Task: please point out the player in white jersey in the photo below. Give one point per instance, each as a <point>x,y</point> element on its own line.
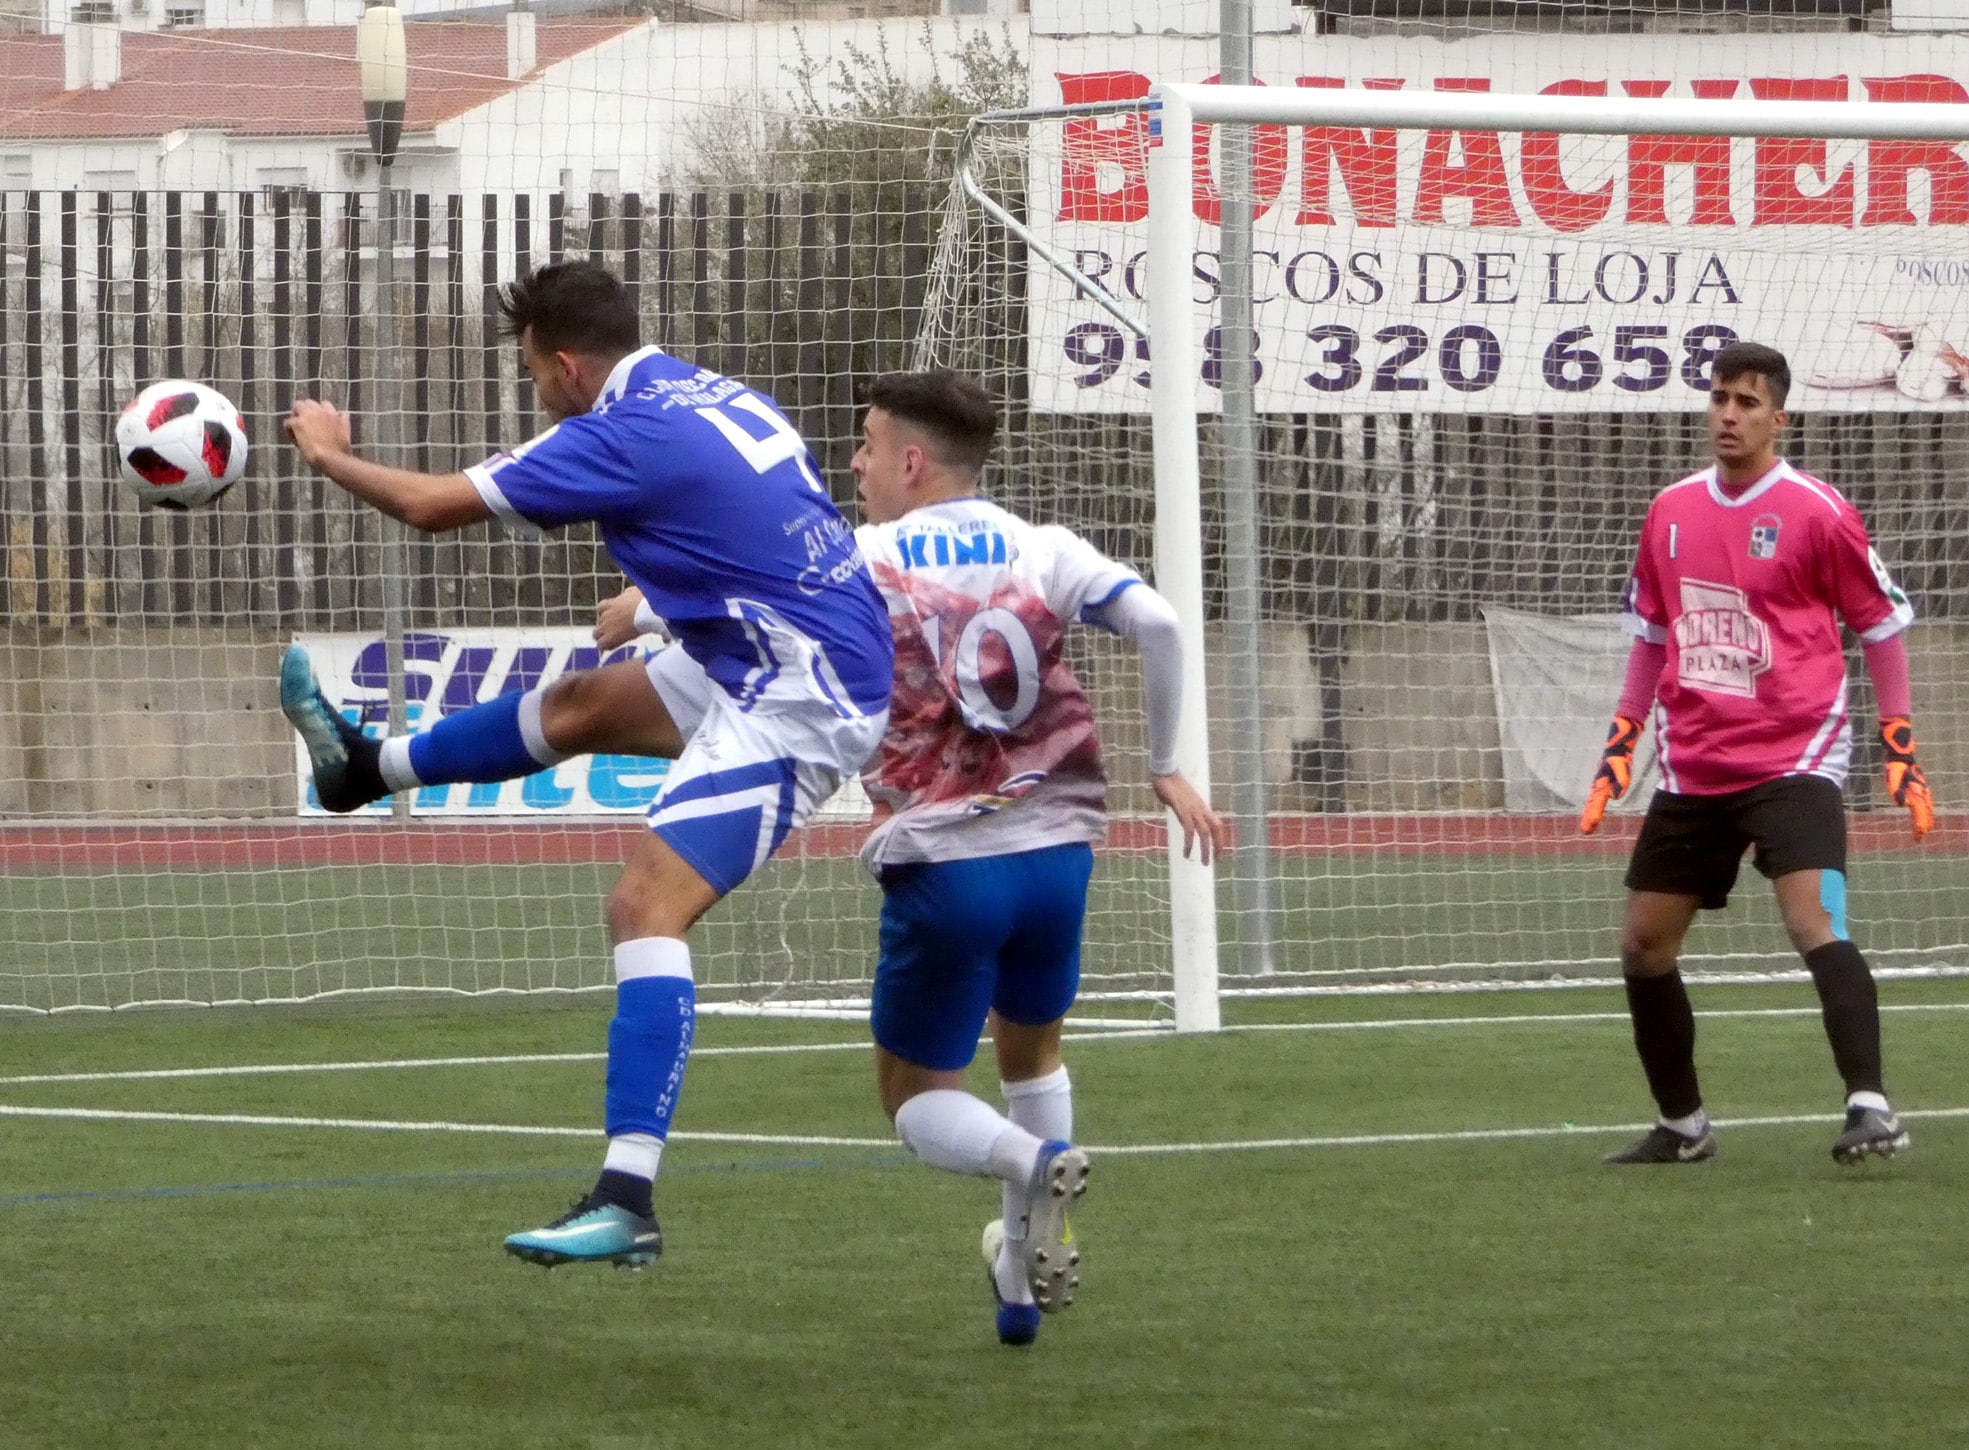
<point>1739,575</point>
<point>990,796</point>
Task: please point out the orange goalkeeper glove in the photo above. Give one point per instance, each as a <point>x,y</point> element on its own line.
<point>1906,782</point>
<point>1615,774</point>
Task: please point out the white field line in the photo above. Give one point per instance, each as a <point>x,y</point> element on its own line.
<point>273,1069</point>
<point>1527,1019</point>
<point>384,1125</point>
<point>789,1140</point>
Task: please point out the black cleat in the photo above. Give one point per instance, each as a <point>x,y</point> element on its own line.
<point>346,777</point>
<point>1869,1134</point>
<point>1663,1144</point>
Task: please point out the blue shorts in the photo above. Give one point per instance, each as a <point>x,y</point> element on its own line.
<point>962,937</point>
<point>747,778</point>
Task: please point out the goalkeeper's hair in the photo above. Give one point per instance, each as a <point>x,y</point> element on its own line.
<point>1741,358</point>
<point>956,412</point>
<point>573,306</point>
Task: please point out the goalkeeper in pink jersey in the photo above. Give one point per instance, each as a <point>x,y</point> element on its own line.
<point>1740,573</point>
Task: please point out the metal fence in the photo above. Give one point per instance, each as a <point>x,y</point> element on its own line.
<point>804,294</point>
<point>269,296</point>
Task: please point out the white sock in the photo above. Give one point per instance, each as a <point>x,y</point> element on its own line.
<point>530,731</point>
<point>1043,1106</point>
<point>393,764</point>
<point>1875,1101</point>
<point>1009,1273</point>
<point>636,1153</point>
<point>1693,1126</point>
<point>958,1133</point>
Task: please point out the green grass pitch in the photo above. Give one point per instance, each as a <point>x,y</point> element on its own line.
<point>109,938</point>
<point>203,1283</point>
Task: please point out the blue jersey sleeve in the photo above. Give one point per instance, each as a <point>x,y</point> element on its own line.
<point>575,472</point>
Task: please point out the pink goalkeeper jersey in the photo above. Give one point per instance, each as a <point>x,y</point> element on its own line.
<point>1743,592</point>
<point>991,746</point>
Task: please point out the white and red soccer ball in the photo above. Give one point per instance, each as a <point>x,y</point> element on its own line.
<point>180,445</point>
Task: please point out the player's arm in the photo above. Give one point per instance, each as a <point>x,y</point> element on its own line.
<point>1643,617</point>
<point>1878,610</point>
<point>1645,663</point>
<point>1907,783</point>
<point>429,502</point>
<point>1148,621</point>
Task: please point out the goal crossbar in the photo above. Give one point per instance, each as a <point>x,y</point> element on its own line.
<point>1179,105</point>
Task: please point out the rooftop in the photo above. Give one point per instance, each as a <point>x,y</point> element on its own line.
<point>299,81</point>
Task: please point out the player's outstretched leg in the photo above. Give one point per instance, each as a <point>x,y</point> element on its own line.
<point>344,759</point>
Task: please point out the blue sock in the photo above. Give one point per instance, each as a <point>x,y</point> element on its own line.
<point>484,743</point>
<point>648,1044</point>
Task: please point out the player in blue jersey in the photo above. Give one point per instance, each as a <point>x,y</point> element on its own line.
<point>776,688</point>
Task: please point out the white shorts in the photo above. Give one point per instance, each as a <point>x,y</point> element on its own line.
<point>747,778</point>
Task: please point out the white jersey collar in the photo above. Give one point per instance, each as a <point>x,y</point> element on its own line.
<point>1779,470</point>
<point>618,378</point>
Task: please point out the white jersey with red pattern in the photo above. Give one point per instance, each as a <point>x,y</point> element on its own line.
<point>1743,592</point>
<point>991,747</point>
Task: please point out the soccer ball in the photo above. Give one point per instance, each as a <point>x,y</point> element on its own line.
<point>180,445</point>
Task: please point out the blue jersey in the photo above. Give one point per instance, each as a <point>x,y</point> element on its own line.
<point>711,504</point>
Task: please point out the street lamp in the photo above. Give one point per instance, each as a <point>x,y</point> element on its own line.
<point>385,79</point>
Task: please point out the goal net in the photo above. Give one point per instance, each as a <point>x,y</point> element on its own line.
<point>1481,342</point>
<point>1480,348</point>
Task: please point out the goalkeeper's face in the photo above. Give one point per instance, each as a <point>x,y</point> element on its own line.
<point>1744,423</point>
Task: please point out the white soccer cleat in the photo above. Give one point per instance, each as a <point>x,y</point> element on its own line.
<point>1052,1260</point>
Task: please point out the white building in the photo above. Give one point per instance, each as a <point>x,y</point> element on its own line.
<point>266,14</point>
<point>569,105</point>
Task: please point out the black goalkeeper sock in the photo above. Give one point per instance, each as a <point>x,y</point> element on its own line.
<point>625,1190</point>
<point>1851,1007</point>
<point>1665,1037</point>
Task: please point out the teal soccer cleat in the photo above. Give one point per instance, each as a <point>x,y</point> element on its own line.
<point>592,1231</point>
<point>344,759</point>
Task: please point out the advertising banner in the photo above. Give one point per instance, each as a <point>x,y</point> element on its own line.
<point>1488,271</point>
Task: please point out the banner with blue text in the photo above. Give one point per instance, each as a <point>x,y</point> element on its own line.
<point>449,670</point>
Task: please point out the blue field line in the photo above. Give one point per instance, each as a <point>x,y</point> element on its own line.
<point>440,1180</point>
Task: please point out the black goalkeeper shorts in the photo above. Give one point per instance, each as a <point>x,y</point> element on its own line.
<point>1692,845</point>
